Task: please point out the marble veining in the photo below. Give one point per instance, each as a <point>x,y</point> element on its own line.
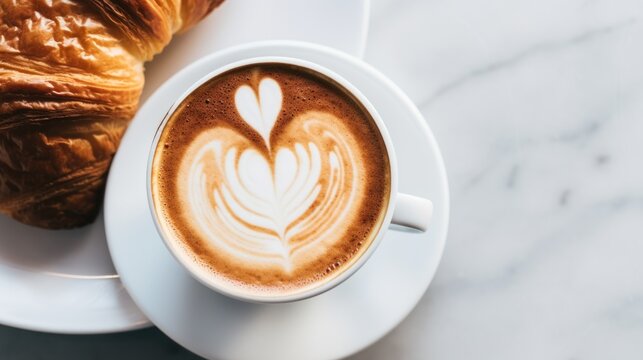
<point>537,106</point>
<point>524,55</point>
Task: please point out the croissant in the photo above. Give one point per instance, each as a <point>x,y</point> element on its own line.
<point>71,73</point>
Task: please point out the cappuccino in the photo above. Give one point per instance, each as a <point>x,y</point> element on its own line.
<point>272,178</point>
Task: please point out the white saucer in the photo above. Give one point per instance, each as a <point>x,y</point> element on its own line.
<point>64,281</point>
<point>332,325</point>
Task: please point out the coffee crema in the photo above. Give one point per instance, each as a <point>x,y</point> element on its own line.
<point>271,177</point>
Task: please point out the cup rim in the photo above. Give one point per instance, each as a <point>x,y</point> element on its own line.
<point>195,270</point>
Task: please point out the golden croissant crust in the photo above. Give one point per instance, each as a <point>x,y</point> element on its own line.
<point>71,73</point>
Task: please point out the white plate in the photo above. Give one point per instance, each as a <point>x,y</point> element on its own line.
<point>332,325</point>
<point>64,281</point>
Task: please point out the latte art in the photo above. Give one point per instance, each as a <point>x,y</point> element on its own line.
<point>257,207</point>
<point>261,113</point>
<point>270,195</point>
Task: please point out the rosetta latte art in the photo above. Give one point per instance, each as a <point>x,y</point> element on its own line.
<point>270,206</point>
<point>271,179</point>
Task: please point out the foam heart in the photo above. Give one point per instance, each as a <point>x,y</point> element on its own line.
<point>260,112</point>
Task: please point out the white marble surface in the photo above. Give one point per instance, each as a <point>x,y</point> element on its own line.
<point>538,107</point>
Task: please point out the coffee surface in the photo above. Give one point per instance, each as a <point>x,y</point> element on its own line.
<point>271,177</point>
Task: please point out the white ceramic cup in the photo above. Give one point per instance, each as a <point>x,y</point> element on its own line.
<point>405,212</point>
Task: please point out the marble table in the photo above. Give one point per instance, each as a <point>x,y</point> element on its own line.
<point>538,107</point>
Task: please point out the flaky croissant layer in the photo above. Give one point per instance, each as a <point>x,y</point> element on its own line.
<point>71,73</point>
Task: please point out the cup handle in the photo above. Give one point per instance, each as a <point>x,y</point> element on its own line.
<point>412,212</point>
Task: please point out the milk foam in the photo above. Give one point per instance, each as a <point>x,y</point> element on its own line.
<point>270,207</point>
<point>260,113</point>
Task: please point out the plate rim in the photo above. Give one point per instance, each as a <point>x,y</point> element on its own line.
<point>94,328</point>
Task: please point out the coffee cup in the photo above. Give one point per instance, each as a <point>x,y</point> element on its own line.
<point>274,179</point>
